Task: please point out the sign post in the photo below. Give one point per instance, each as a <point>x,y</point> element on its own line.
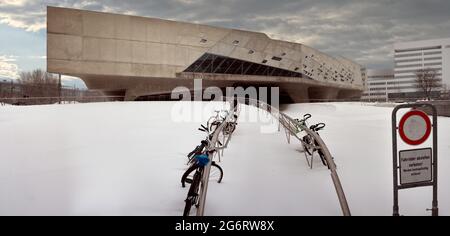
<point>418,167</point>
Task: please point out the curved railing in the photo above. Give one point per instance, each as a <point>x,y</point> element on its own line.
<point>290,126</point>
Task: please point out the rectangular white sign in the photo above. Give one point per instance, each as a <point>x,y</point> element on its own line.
<point>415,166</point>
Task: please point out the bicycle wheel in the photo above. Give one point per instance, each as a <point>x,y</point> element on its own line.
<point>193,193</point>
<point>308,147</point>
<point>214,125</point>
<point>188,175</point>
<point>215,174</point>
<point>321,155</point>
<point>233,127</point>
<point>229,128</point>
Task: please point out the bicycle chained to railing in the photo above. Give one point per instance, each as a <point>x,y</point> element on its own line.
<point>198,159</point>
<point>310,145</point>
<point>203,154</point>
<point>289,125</point>
<point>218,118</point>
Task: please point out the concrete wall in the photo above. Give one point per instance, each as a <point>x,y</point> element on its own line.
<point>108,51</point>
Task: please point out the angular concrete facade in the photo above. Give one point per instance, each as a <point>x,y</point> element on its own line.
<point>136,56</point>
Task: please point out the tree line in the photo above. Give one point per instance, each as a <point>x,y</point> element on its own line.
<point>40,87</point>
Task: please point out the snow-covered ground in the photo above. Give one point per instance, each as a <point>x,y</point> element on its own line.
<point>127,159</point>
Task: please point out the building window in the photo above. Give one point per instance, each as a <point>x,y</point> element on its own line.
<point>418,49</point>
<point>432,53</point>
<point>408,55</point>
<point>433,58</point>
<point>407,66</point>
<point>410,60</point>
<point>433,64</point>
<point>210,63</point>
<point>276,58</point>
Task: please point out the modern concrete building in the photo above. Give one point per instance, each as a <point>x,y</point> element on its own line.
<point>412,56</point>
<point>139,57</point>
<point>380,83</point>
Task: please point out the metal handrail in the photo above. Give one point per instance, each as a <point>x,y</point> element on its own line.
<point>289,124</point>
<point>211,150</point>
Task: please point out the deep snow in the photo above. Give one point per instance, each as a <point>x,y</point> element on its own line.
<point>127,159</point>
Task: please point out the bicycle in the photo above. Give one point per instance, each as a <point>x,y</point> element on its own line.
<point>216,120</point>
<point>311,145</point>
<point>302,123</point>
<point>230,126</point>
<point>198,159</point>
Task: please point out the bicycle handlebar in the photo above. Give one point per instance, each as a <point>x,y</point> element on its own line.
<point>198,149</point>
<point>317,127</point>
<point>306,116</point>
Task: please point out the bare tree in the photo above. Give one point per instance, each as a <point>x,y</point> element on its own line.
<point>38,84</point>
<point>426,81</point>
<point>37,76</point>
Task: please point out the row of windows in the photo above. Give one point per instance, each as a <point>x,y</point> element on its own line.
<point>406,66</point>
<point>419,65</point>
<point>418,49</point>
<point>409,55</point>
<point>432,53</point>
<point>376,89</point>
<point>408,60</point>
<point>381,77</point>
<point>433,64</point>
<point>418,59</point>
<point>433,58</point>
<point>375,94</point>
<point>411,71</point>
<point>402,82</point>
<point>378,83</point>
<point>391,88</point>
<point>417,54</point>
<point>210,63</point>
<point>411,86</point>
<point>411,76</point>
<point>405,76</point>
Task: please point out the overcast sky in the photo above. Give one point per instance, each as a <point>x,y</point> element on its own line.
<point>361,30</point>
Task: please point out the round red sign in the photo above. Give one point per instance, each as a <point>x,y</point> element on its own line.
<point>415,127</point>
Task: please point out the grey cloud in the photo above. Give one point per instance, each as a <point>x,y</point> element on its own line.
<point>360,30</point>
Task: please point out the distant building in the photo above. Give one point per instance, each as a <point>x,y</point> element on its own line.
<point>141,58</point>
<point>380,83</point>
<point>412,56</point>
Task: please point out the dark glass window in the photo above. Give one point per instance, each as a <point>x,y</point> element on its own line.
<point>210,63</point>
<point>276,58</point>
